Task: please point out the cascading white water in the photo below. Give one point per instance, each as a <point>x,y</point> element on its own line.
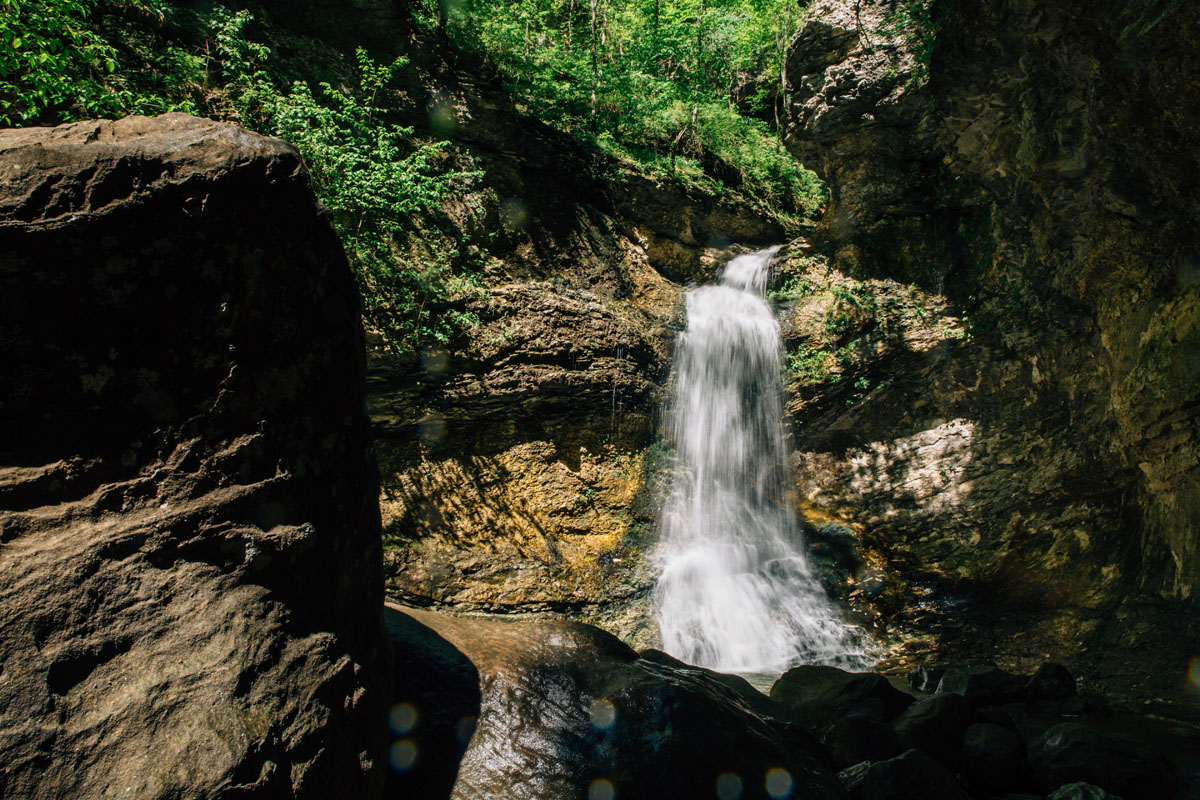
<point>735,592</point>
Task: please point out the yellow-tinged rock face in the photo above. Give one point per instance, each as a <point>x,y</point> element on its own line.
<point>526,529</point>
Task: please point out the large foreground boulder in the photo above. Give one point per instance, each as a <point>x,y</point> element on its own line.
<point>190,568</point>
<point>566,710</point>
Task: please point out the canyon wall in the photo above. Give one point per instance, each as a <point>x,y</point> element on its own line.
<point>1036,467</point>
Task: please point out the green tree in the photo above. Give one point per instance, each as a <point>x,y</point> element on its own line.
<point>372,176</point>
<point>56,65</point>
<point>653,84</point>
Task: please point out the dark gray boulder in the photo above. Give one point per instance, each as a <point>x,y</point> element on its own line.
<point>1080,791</point>
<point>911,775</point>
<point>993,758</point>
<point>854,739</point>
<point>935,726</point>
<point>818,694</point>
<point>983,685</point>
<point>1071,753</point>
<point>1050,682</point>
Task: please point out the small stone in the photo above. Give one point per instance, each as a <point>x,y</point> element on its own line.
<point>1050,682</point>
<point>911,775</point>
<point>851,779</point>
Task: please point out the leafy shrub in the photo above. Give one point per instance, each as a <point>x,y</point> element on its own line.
<point>371,175</point>
<point>64,60</point>
<point>56,66</point>
<point>650,82</point>
<point>913,22</point>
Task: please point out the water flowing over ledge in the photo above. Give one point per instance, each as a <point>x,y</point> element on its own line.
<point>735,591</point>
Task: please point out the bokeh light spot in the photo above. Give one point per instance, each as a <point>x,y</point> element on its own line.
<point>403,718</point>
<point>435,361</point>
<point>601,790</point>
<point>779,782</point>
<point>431,429</point>
<point>513,214</point>
<point>443,118</point>
<point>729,786</point>
<point>464,730</point>
<point>403,755</point>
<point>603,714</point>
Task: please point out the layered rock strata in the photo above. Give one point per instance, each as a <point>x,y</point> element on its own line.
<point>189,541</point>
<point>1037,169</point>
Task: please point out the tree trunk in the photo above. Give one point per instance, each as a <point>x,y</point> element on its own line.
<point>595,68</point>
<point>700,49</point>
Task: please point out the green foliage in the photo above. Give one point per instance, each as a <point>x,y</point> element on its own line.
<point>914,22</point>
<point>57,65</point>
<point>370,174</point>
<point>1139,17</point>
<point>793,288</point>
<point>651,82</point>
<point>63,60</point>
<point>809,365</point>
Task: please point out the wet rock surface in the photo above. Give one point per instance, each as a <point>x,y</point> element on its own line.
<point>191,592</point>
<point>942,746</point>
<point>816,694</point>
<point>858,120</point>
<point>1029,480</point>
<point>566,710</point>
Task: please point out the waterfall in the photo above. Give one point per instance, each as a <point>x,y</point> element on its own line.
<point>735,591</point>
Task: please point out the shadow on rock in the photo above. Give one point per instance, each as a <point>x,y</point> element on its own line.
<point>566,710</point>
<point>435,711</point>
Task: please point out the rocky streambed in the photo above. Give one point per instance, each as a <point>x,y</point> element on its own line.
<point>540,709</point>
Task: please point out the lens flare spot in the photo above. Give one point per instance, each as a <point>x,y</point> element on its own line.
<point>465,729</point>
<point>601,790</point>
<point>431,429</point>
<point>435,361</point>
<point>603,714</point>
<point>779,783</point>
<point>1193,675</point>
<point>729,786</point>
<point>403,718</point>
<point>514,215</point>
<point>443,118</point>
<point>403,755</point>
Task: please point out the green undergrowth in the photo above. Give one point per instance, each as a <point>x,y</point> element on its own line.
<point>836,325</point>
<point>64,60</point>
<point>915,23</point>
<point>67,60</point>
<point>652,83</point>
